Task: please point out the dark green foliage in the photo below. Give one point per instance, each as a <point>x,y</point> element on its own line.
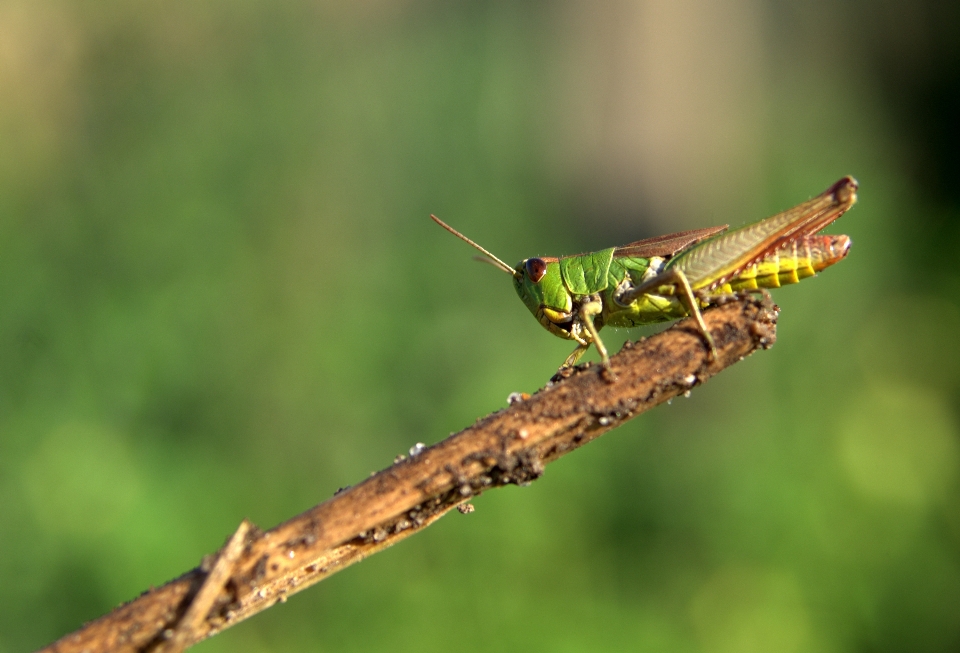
<point>221,297</point>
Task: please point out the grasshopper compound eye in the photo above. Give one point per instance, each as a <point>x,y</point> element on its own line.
<point>536,268</point>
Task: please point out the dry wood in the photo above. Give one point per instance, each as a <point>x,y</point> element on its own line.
<point>191,623</point>
<point>510,446</point>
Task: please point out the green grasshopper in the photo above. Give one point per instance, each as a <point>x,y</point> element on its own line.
<point>677,275</point>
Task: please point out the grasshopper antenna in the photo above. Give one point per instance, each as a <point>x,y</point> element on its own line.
<point>490,261</point>
<point>490,258</point>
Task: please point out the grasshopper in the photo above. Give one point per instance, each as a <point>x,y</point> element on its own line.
<point>677,275</point>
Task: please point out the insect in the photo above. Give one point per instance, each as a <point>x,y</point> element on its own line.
<point>677,275</point>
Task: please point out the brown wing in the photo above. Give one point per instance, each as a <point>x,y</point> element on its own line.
<point>667,245</point>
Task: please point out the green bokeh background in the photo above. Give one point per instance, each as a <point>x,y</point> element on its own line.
<point>221,297</point>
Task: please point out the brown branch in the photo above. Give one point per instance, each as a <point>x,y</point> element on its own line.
<point>509,446</point>
<point>191,624</point>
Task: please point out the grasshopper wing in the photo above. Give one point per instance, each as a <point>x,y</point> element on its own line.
<point>710,263</point>
<point>667,245</point>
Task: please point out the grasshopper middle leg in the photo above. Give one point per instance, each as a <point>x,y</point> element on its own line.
<point>676,278</point>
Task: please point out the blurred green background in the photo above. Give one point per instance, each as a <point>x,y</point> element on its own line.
<point>221,297</point>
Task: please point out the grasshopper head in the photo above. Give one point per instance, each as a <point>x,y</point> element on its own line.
<point>540,285</point>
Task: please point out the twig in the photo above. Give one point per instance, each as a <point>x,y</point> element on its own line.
<point>192,621</point>
<point>510,446</point>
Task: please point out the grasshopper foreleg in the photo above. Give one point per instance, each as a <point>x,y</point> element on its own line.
<point>575,356</point>
<point>676,278</point>
<point>593,306</point>
<point>587,310</point>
